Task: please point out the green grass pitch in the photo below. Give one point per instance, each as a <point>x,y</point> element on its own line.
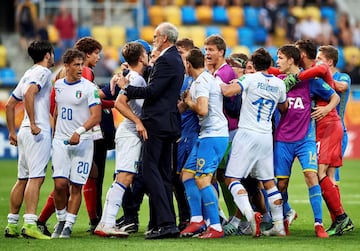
<point>302,231</point>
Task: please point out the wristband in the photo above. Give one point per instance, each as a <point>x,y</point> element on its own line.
<point>80,130</point>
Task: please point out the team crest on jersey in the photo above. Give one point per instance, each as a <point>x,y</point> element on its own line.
<point>78,94</point>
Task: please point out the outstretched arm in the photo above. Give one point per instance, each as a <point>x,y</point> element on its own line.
<point>321,71</point>
<point>231,89</point>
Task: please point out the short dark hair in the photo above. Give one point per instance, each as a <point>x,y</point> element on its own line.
<point>71,54</point>
<point>330,52</point>
<point>88,45</point>
<point>261,59</point>
<point>187,43</point>
<point>307,46</point>
<point>38,49</point>
<point>132,52</point>
<point>196,58</point>
<point>216,40</point>
<point>291,51</point>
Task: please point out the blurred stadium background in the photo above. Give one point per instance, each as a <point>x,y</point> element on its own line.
<point>244,24</point>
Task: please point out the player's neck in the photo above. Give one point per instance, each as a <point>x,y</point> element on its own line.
<point>333,69</point>
<point>137,68</point>
<point>195,73</point>
<point>293,70</point>
<point>43,63</point>
<point>220,62</point>
<point>308,64</point>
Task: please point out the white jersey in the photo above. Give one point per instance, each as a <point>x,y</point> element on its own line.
<point>127,126</point>
<point>40,76</point>
<point>263,93</point>
<point>73,102</point>
<point>214,124</point>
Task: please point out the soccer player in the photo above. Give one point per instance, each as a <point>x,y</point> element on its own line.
<point>189,133</point>
<point>329,55</point>
<point>329,133</point>
<point>33,139</point>
<point>129,136</point>
<point>237,224</point>
<point>295,134</point>
<point>93,187</point>
<point>215,49</point>
<point>78,109</point>
<point>133,196</point>
<point>252,147</point>
<point>206,100</point>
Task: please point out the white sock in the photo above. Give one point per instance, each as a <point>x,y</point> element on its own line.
<point>112,204</point>
<point>61,214</point>
<point>276,210</point>
<point>13,218</point>
<point>222,214</point>
<point>30,218</point>
<point>197,218</point>
<point>217,227</point>
<point>241,200</point>
<point>70,220</point>
<point>235,221</point>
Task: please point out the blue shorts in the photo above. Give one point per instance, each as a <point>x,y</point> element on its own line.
<point>206,155</point>
<point>184,148</point>
<point>285,154</point>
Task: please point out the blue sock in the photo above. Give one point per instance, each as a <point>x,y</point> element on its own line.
<point>337,175</point>
<point>263,190</point>
<point>193,197</point>
<point>216,186</point>
<point>210,204</point>
<point>316,202</point>
<point>286,204</point>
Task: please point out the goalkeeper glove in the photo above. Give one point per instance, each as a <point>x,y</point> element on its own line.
<point>290,81</point>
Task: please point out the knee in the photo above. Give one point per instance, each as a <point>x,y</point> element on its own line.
<point>311,178</point>
<point>61,186</point>
<point>282,185</point>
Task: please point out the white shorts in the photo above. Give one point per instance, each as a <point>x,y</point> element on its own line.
<point>34,153</point>
<point>72,162</point>
<point>251,154</point>
<point>128,150</point>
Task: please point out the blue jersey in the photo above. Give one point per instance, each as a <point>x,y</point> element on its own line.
<point>189,119</point>
<point>344,96</point>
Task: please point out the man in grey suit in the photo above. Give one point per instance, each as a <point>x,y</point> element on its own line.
<point>161,119</point>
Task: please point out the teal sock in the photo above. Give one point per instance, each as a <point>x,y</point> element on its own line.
<point>316,202</point>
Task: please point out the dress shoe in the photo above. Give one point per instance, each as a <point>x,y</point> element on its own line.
<point>170,231</point>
